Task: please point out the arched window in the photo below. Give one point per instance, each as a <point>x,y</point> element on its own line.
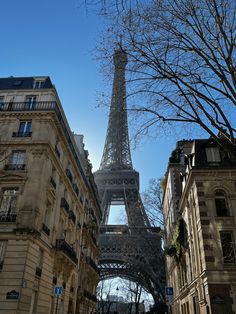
<point>221,204</point>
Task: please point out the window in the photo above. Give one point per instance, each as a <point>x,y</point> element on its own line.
<point>38,84</point>
<point>228,247</point>
<point>8,202</point>
<point>3,247</point>
<point>213,154</point>
<point>25,127</point>
<point>17,157</point>
<point>17,83</point>
<point>39,266</point>
<point>220,203</point>
<point>30,102</point>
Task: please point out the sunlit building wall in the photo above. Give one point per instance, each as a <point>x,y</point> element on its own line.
<point>49,210</point>
<point>199,209</point>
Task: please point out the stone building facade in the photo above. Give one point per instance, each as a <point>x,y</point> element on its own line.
<point>49,209</point>
<point>200,219</point>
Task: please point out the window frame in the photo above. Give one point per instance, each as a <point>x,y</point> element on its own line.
<point>17,157</point>
<point>228,245</point>
<point>27,126</point>
<point>219,207</point>
<point>213,154</point>
<point>9,199</point>
<point>30,101</point>
<point>38,83</point>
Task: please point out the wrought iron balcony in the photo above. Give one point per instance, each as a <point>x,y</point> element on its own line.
<point>14,167</point>
<point>69,175</point>
<point>72,216</point>
<point>91,262</point>
<point>25,106</point>
<point>76,189</point>
<point>57,152</point>
<point>65,205</point>
<point>21,134</point>
<point>45,229</point>
<point>90,296</point>
<point>7,217</point>
<point>62,245</point>
<point>53,183</point>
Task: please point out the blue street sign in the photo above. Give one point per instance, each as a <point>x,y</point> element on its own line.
<point>58,290</point>
<point>169,291</point>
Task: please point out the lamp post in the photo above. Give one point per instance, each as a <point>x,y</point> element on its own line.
<point>117,291</point>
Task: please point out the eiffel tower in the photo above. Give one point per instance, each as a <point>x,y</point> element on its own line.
<point>131,251</point>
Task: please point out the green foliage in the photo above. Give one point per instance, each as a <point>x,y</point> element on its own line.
<point>178,245</point>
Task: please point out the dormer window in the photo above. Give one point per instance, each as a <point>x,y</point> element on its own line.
<point>213,154</point>
<point>38,84</point>
<point>221,204</point>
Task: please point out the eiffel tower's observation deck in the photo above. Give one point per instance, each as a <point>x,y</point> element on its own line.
<point>131,251</point>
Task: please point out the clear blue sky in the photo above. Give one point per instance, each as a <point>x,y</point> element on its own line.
<point>58,38</point>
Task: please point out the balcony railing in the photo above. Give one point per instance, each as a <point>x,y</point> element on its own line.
<point>25,106</point>
<point>90,296</point>
<point>57,152</point>
<point>45,229</point>
<point>53,183</point>
<point>14,167</point>
<point>76,189</point>
<point>91,262</point>
<point>65,205</point>
<point>7,217</point>
<point>21,134</point>
<point>62,245</point>
<point>69,175</point>
<point>72,216</point>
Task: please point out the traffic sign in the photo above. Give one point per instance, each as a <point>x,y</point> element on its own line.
<point>169,291</point>
<point>58,290</point>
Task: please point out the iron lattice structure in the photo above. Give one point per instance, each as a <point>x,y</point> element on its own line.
<point>130,251</point>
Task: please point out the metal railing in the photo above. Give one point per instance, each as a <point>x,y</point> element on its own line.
<point>25,106</point>
<point>65,205</point>
<point>45,229</point>
<point>7,217</point>
<point>53,183</point>
<point>91,262</point>
<point>69,175</point>
<point>72,216</point>
<point>62,245</point>
<point>14,167</point>
<point>21,134</point>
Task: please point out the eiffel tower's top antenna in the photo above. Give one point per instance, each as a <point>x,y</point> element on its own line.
<point>116,154</point>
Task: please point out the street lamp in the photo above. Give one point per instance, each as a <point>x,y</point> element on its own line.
<point>117,291</point>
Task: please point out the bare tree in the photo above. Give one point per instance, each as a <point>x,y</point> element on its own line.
<point>152,201</point>
<point>182,62</point>
<point>104,291</point>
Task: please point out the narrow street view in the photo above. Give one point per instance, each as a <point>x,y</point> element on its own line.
<point>118,157</point>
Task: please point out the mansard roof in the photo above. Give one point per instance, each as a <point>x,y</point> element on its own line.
<point>12,82</point>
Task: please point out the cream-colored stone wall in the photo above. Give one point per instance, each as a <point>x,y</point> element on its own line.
<point>39,206</point>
